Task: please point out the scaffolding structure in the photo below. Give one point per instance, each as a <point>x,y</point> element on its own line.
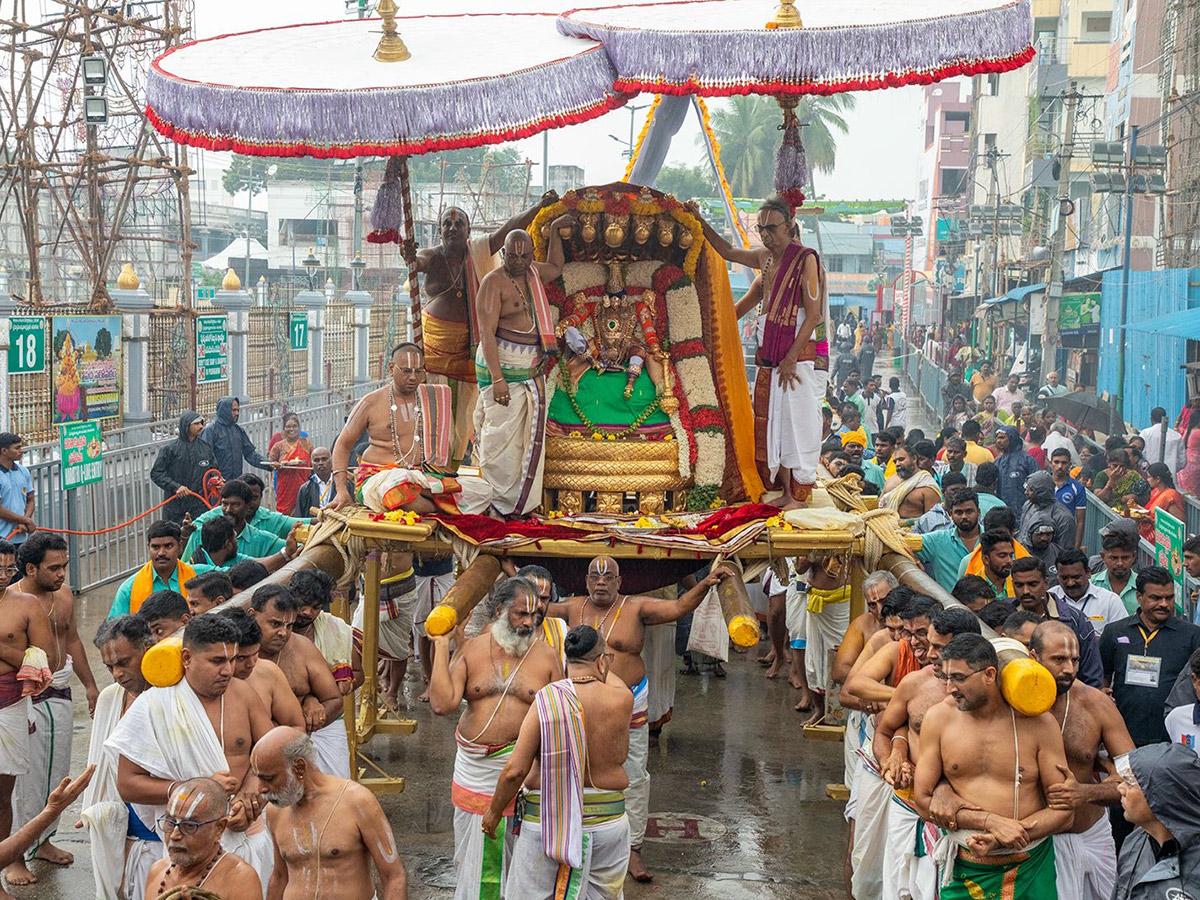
<point>1180,84</point>
<point>86,189</point>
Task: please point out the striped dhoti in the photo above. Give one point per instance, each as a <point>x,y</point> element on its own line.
<point>601,874</point>
<point>908,852</point>
<point>480,863</point>
<point>637,795</point>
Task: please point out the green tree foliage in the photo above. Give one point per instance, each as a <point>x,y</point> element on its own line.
<point>747,129</point>
<point>104,344</point>
<point>686,182</point>
<point>504,173</point>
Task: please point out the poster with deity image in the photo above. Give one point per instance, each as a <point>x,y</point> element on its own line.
<point>86,354</point>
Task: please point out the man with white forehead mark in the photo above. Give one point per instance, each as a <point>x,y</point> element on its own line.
<point>195,820</point>
<point>328,830</point>
<point>498,673</point>
<point>621,621</point>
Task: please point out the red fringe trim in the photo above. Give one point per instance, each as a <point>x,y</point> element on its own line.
<point>398,148</point>
<point>384,236</point>
<point>774,88</point>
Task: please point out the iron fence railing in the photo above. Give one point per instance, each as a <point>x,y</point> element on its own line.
<point>126,490</point>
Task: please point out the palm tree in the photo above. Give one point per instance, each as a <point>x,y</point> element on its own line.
<point>747,128</point>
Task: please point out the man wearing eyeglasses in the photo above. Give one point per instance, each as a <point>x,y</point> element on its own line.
<point>793,352</point>
<point>8,563</point>
<point>1007,764</point>
<point>897,746</point>
<point>195,820</point>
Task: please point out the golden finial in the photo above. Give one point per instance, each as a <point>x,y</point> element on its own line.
<point>231,282</point>
<point>787,16</point>
<point>128,280</point>
<point>391,48</point>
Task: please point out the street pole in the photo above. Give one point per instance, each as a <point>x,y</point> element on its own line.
<point>1117,414</point>
<point>1054,286</point>
<point>249,213</point>
<point>358,181</point>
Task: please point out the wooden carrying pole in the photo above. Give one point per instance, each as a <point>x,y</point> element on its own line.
<point>1026,685</point>
<point>736,608</point>
<point>464,595</point>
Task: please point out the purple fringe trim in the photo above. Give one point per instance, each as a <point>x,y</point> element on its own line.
<point>384,115</point>
<point>802,54</point>
<point>791,162</point>
<point>388,211</point>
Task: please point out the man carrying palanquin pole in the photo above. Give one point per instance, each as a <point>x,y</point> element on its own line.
<point>453,271</point>
<point>793,351</point>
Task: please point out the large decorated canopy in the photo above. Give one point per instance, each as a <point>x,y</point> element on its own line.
<point>477,75</point>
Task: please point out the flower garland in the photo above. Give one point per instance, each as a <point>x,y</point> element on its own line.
<point>726,191</point>
<point>595,429</point>
<point>637,148</point>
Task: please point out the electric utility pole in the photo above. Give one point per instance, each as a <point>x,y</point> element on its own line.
<point>1054,282</point>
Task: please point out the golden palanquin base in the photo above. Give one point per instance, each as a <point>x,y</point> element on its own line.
<point>611,470</point>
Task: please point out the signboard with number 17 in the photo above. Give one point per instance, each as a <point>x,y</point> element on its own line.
<point>299,331</point>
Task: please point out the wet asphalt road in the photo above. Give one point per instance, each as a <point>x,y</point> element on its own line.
<point>733,755</point>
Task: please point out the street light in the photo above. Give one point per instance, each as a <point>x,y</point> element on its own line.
<point>311,264</point>
<point>356,267</point>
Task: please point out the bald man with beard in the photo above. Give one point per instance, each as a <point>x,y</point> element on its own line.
<point>196,817</point>
<point>328,830</point>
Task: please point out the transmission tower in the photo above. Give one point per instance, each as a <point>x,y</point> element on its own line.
<point>87,183</point>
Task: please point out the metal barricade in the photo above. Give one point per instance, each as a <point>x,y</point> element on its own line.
<point>126,490</point>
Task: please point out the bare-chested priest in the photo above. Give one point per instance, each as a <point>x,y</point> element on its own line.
<point>203,726</point>
<point>516,343</point>
<point>307,672</point>
<point>1085,856</point>
<point>574,834</point>
<point>264,676</point>
<point>911,492</point>
<point>42,560</point>
<point>452,273</point>
<point>497,673</point>
<point>621,621</point>
<point>897,747</point>
<point>1006,764</point>
<point>328,830</point>
<point>407,463</point>
<point>196,818</point>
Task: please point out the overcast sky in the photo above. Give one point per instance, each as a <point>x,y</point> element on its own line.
<point>877,159</point>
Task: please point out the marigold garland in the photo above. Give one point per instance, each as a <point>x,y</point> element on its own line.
<point>637,148</point>
<point>726,191</point>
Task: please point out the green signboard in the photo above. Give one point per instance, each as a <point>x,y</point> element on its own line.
<point>212,349</point>
<point>82,454</point>
<point>299,331</point>
<point>1077,311</point>
<point>26,345</point>
<point>1168,549</point>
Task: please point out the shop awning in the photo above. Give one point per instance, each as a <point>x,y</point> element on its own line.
<point>1017,293</point>
<point>1182,324</point>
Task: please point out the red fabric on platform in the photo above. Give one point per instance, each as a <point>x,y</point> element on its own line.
<point>728,518</point>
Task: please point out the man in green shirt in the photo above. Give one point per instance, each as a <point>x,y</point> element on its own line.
<point>987,478</point>
<point>164,571</point>
<point>219,547</point>
<point>257,515</point>
<point>236,497</point>
<point>1118,552</point>
<point>945,548</point>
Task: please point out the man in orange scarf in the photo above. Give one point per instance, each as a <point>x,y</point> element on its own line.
<point>164,572</point>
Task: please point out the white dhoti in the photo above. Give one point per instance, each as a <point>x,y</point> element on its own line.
<point>481,863</point>
<point>1086,864</point>
<point>167,733</point>
<point>796,616</point>
<point>870,832</point>
<point>510,441</point>
<point>123,849</point>
<point>393,488</point>
<point>49,755</point>
<point>601,876</point>
<point>397,601</point>
<point>793,438</point>
<point>335,639</point>
<point>860,732</point>
<point>430,591</point>
<point>14,734</point>
<point>908,854</point>
<point>332,748</point>
<point>658,652</point>
<point>637,795</point>
<point>824,627</point>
